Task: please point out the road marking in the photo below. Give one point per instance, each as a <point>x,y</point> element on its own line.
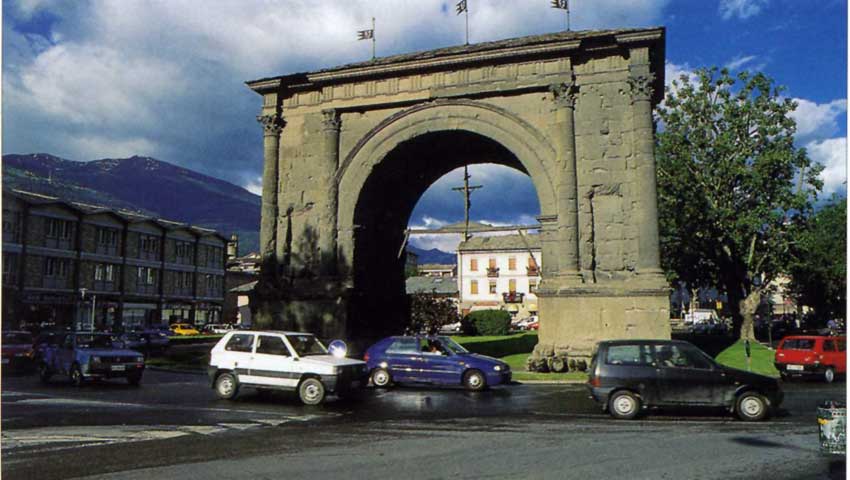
<point>78,402</point>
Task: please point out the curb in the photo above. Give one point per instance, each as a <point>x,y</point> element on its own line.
<point>550,382</point>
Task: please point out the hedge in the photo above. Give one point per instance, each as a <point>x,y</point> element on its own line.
<point>488,322</point>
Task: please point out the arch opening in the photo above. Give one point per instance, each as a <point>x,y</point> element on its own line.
<point>383,211</point>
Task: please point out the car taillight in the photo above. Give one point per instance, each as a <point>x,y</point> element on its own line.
<point>366,357</point>
<point>594,381</point>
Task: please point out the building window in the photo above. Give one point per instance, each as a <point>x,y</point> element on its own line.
<point>473,264</point>
<point>184,252</point>
<point>492,287</point>
<point>61,229</point>
<point>473,287</point>
<point>145,276</point>
<point>532,269</point>
<point>149,247</point>
<point>213,256</point>
<point>104,272</point>
<point>512,285</point>
<point>10,268</point>
<point>532,286</point>
<point>11,226</point>
<point>511,263</point>
<point>107,240</point>
<point>56,267</point>
<point>491,263</point>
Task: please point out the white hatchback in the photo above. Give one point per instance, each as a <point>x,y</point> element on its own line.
<point>278,360</point>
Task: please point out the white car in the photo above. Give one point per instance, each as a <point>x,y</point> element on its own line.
<point>277,360</point>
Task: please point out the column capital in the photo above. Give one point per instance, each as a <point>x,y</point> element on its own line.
<point>331,119</point>
<point>272,124</point>
<point>565,93</point>
<point>641,86</point>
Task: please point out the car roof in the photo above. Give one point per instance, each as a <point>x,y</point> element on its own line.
<point>812,337</point>
<point>284,332</point>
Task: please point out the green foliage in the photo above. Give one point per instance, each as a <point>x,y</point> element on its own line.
<point>429,312</point>
<point>818,275</point>
<point>729,207</point>
<point>489,322</point>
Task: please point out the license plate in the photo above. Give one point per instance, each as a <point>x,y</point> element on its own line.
<point>118,368</point>
<point>5,360</point>
<point>798,368</point>
<point>355,384</point>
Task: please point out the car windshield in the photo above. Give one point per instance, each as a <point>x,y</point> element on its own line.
<point>451,345</point>
<point>799,344</point>
<point>17,338</point>
<point>94,341</point>
<point>306,345</point>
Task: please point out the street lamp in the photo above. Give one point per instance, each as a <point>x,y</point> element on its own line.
<point>93,303</point>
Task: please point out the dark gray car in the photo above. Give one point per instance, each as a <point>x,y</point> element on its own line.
<point>628,376</point>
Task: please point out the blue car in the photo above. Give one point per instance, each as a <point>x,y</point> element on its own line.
<point>436,360</point>
<point>84,356</point>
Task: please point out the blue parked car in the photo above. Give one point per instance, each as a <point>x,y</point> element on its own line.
<point>437,360</point>
<point>83,356</point>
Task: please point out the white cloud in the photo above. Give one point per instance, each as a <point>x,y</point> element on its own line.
<point>674,71</point>
<point>817,120</point>
<point>832,154</point>
<point>254,186</point>
<point>742,9</point>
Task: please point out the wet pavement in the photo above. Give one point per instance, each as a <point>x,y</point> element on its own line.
<point>174,423</point>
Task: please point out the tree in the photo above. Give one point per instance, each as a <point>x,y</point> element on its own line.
<point>429,312</point>
<point>818,274</point>
<point>730,199</point>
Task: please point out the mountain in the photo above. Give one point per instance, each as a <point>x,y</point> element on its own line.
<point>143,184</point>
<point>433,256</point>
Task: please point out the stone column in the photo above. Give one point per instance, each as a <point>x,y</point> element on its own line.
<point>328,220</point>
<point>272,128</point>
<point>567,181</point>
<point>649,257</point>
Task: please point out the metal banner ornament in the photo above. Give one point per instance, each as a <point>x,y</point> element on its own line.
<point>462,7</point>
<point>368,35</point>
<point>565,6</point>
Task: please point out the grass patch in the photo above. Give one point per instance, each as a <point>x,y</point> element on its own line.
<point>762,358</point>
<point>190,339</point>
<point>500,345</point>
<point>182,359</point>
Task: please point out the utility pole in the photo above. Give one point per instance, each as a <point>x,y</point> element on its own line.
<point>467,193</point>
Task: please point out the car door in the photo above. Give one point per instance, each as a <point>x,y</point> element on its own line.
<point>631,366</point>
<point>841,355</point>
<point>65,354</point>
<point>688,377</point>
<point>404,359</point>
<point>437,365</point>
<point>272,363</point>
<point>236,355</point>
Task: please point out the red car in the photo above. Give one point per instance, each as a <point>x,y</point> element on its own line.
<point>811,355</point>
<point>16,349</point>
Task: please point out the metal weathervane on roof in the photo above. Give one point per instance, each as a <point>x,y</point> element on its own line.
<point>462,7</point>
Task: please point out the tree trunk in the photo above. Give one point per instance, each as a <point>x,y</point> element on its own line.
<point>748,310</point>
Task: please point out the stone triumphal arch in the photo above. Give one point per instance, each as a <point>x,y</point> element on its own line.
<point>349,150</point>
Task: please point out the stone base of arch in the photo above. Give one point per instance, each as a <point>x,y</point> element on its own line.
<point>318,306</point>
<point>579,317</point>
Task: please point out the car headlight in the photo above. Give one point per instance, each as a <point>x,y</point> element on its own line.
<point>337,370</point>
<point>497,368</point>
<point>95,359</point>
<point>140,359</point>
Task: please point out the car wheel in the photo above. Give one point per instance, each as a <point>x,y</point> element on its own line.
<point>311,391</point>
<point>226,386</point>
<point>751,407</point>
<point>134,380</point>
<point>381,378</point>
<point>76,375</point>
<point>624,405</point>
<point>44,372</point>
<point>474,381</point>
<point>829,375</point>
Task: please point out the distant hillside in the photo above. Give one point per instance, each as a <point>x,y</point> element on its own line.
<point>433,256</point>
<point>143,184</point>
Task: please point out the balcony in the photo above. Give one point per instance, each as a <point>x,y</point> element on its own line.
<point>532,271</point>
<point>513,297</point>
<point>493,272</point>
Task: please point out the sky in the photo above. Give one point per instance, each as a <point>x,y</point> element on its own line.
<point>93,79</point>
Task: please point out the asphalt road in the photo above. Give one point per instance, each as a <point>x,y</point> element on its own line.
<point>174,427</point>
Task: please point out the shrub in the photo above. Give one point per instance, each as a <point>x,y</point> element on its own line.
<point>489,322</point>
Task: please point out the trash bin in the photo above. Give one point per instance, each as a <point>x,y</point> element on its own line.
<point>832,428</point>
